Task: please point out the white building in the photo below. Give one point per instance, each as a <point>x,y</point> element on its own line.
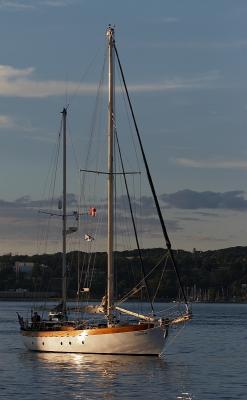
<point>21,266</point>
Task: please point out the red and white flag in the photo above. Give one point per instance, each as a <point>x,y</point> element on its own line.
<point>92,211</point>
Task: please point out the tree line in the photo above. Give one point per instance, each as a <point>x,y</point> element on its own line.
<point>218,275</point>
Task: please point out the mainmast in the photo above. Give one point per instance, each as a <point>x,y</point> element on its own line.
<point>110,272</point>
<point>64,274</point>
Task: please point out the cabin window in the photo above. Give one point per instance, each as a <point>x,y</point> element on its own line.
<point>70,343</point>
<point>61,343</point>
<point>82,342</point>
<point>43,343</point>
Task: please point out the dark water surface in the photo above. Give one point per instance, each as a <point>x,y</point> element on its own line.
<point>205,360</point>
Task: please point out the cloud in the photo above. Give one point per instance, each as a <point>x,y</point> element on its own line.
<point>208,214</point>
<point>19,82</point>
<point>14,5</point>
<point>200,81</point>
<point>25,202</point>
<point>144,205</point>
<point>20,220</point>
<point>183,199</point>
<point>23,228</point>
<point>8,72</point>
<point>6,122</point>
<point>189,219</point>
<point>212,164</point>
<point>170,20</point>
<point>160,20</point>
<point>57,3</point>
<point>233,44</point>
<point>205,238</point>
<point>149,226</point>
<point>19,125</point>
<point>18,5</point>
<point>192,200</point>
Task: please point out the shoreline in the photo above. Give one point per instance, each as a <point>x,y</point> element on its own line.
<point>73,300</point>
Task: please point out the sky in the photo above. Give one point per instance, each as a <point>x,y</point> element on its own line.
<point>185,64</point>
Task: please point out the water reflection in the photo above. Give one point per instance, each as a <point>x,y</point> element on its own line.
<point>108,376</point>
<point>85,376</point>
<point>185,396</point>
<point>206,362</point>
<point>108,366</point>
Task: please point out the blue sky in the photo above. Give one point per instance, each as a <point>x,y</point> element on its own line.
<point>185,64</point>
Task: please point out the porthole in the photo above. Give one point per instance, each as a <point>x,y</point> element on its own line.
<point>61,343</point>
<point>82,342</point>
<point>70,343</point>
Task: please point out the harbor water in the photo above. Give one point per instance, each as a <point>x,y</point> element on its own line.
<point>204,360</point>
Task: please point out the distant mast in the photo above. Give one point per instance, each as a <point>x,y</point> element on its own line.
<point>64,277</point>
<point>110,267</point>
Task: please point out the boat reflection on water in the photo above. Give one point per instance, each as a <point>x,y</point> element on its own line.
<point>102,364</point>
<point>185,396</point>
<point>91,376</point>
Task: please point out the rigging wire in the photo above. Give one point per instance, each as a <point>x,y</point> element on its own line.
<point>165,234</point>
<point>123,228</point>
<point>83,177</point>
<point>93,130</point>
<point>53,184</point>
<point>161,277</point>
<point>180,329</point>
<point>94,119</point>
<point>126,236</point>
<point>128,119</point>
<point>88,68</point>
<point>73,146</point>
<point>127,295</point>
<point>132,218</point>
<point>140,208</point>
<point>42,236</point>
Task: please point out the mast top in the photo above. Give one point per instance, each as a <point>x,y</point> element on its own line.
<point>110,32</point>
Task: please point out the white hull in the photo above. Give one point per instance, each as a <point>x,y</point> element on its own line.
<point>140,342</point>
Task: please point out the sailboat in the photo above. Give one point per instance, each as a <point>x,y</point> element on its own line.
<point>140,333</point>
